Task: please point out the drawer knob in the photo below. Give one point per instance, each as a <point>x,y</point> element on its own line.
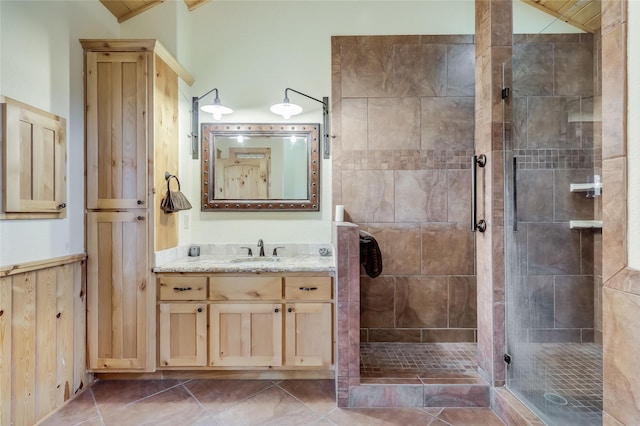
<point>290,310</point>
<point>308,288</point>
<point>276,310</point>
<point>182,288</point>
<point>199,309</point>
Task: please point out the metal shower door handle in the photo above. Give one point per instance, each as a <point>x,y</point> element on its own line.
<point>476,161</point>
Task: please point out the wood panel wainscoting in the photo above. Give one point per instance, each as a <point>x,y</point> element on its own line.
<point>42,337</point>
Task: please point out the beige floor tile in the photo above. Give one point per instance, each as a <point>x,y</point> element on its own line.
<point>112,394</point>
<point>271,406</point>
<point>380,416</point>
<point>77,411</point>
<point>172,407</point>
<point>219,395</point>
<point>470,417</point>
<point>319,395</point>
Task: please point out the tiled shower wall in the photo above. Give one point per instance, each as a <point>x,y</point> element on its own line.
<point>555,144</point>
<point>403,116</point>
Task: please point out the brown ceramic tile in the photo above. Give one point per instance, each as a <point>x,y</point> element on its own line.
<point>458,196</point>
<point>377,301</point>
<point>386,396</point>
<point>571,205</point>
<point>574,301</point>
<point>614,217</point>
<point>447,123</point>
<point>536,302</point>
<point>367,69</point>
<point>535,195</point>
<point>381,416</point>
<point>447,249</point>
<point>393,123</point>
<point>80,409</point>
<point>553,249</point>
<point>460,70</point>
<point>354,124</point>
<point>533,69</point>
<point>555,336</point>
<point>547,123</point>
<point>420,70</point>
<point>394,335</point>
<point>470,416</point>
<point>272,405</point>
<point>111,394</point>
<point>368,196</point>
<point>400,247</point>
<point>218,395</point>
<point>613,92</point>
<point>462,302</point>
<point>421,196</point>
<point>168,407</point>
<point>421,301</point>
<point>319,395</point>
<point>587,238</point>
<point>448,335</point>
<point>456,396</point>
<point>573,69</point>
<point>622,314</point>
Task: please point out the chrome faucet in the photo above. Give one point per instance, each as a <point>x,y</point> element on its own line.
<point>261,245</point>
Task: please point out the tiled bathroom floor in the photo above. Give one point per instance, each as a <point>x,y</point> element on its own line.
<point>565,382</point>
<point>417,359</point>
<point>241,402</point>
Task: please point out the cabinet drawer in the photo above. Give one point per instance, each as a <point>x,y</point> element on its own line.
<point>183,288</point>
<point>245,288</point>
<point>308,288</point>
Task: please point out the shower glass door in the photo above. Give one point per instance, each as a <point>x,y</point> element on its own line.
<point>552,163</point>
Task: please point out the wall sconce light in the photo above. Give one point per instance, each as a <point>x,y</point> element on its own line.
<point>216,108</point>
<point>286,109</point>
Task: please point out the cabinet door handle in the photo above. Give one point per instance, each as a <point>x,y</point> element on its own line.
<point>140,217</point>
<point>308,288</point>
<point>199,309</point>
<point>182,288</point>
<point>62,206</point>
<point>140,202</point>
<point>276,310</point>
<point>290,310</point>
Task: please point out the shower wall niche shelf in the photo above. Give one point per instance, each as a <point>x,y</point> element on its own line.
<point>585,187</point>
<point>585,224</point>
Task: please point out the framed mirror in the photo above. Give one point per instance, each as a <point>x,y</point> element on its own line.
<point>249,167</point>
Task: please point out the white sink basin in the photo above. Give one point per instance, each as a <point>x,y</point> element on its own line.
<point>255,259</point>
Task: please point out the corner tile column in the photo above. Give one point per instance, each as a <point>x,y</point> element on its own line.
<point>621,292</point>
<point>493,125</point>
<point>347,324</point>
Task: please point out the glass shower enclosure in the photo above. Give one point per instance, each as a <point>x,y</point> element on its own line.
<point>553,228</point>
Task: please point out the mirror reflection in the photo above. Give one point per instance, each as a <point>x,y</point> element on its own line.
<point>260,166</point>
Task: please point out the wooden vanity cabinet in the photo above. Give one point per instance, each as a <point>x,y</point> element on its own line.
<point>182,322</point>
<point>131,139</point>
<point>254,321</point>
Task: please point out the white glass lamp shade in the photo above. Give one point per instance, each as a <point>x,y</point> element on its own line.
<point>286,109</point>
<point>216,109</point>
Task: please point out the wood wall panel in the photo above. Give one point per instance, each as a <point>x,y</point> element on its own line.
<point>165,150</point>
<point>42,338</point>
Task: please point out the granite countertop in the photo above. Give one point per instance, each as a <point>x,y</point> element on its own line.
<point>225,263</point>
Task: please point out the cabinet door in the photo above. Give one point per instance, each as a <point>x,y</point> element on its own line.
<point>245,334</point>
<point>309,336</point>
<point>116,126</point>
<point>118,297</point>
<point>183,334</point>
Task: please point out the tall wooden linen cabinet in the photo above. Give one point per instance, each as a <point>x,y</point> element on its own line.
<point>131,139</point>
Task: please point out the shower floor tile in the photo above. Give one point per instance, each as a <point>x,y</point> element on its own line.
<point>564,382</point>
<point>418,360</point>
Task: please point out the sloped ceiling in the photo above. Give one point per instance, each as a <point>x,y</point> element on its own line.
<point>583,14</point>
<point>127,9</point>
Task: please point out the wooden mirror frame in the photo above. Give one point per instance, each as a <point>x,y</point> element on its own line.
<point>210,203</point>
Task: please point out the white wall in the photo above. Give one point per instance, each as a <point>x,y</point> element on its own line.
<point>41,64</point>
<point>250,50</point>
